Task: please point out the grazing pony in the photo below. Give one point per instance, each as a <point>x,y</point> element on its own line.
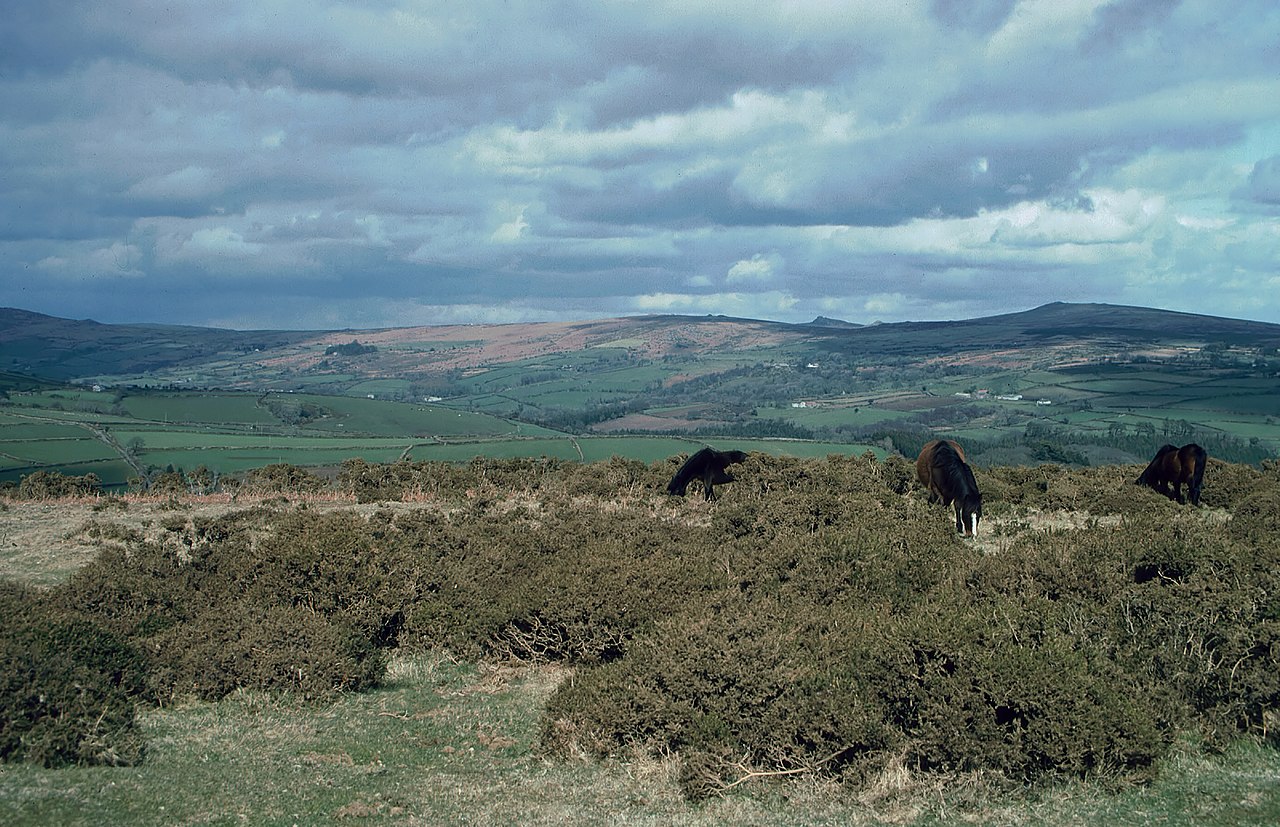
<point>707,465</point>
<point>942,470</point>
<point>1175,466</point>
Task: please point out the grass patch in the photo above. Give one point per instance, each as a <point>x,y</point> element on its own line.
<point>445,742</point>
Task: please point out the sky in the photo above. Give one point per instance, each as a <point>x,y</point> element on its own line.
<point>322,165</point>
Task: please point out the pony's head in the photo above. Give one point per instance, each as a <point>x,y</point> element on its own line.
<point>971,513</point>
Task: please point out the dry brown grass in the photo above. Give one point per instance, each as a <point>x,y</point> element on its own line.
<point>43,541</point>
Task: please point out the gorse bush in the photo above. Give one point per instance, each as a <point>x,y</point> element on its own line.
<point>49,485</point>
<point>260,599</point>
<point>273,647</point>
<point>280,478</point>
<point>68,687</point>
<point>849,634</point>
<point>855,630</point>
<point>819,617</point>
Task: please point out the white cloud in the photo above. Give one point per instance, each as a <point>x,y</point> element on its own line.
<point>759,269</point>
<point>885,305</point>
<point>748,115</point>
<point>192,181</point>
<point>1194,222</point>
<point>220,242</point>
<point>511,231</point>
<point>1109,218</point>
<point>84,263</point>
<point>1039,23</point>
<point>770,304</point>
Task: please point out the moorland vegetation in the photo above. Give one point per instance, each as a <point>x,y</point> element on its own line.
<point>819,619</point>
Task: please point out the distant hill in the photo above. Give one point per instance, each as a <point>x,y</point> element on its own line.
<point>1061,319</point>
<point>1061,324</point>
<point>1071,383</point>
<point>67,350</point>
<point>824,321</point>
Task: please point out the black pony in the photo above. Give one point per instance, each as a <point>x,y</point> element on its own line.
<point>707,465</point>
<point>942,470</point>
<point>1173,466</point>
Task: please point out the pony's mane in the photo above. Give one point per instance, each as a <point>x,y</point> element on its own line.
<point>959,475</point>
<point>1155,468</point>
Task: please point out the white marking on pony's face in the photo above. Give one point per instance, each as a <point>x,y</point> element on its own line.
<point>973,521</point>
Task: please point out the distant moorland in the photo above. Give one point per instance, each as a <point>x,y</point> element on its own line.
<point>1075,384</point>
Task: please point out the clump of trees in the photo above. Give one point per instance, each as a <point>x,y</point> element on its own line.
<point>820,617</point>
<point>352,348</point>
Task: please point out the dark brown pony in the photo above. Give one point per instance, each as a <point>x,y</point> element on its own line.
<point>1173,466</point>
<point>942,470</point>
<point>707,465</point>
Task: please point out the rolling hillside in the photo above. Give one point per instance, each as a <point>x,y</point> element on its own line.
<point>1072,383</point>
<point>63,349</point>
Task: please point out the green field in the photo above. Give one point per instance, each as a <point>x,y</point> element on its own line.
<point>1093,405</point>
<point>375,417</point>
<point>832,415</point>
<point>79,432</point>
<point>47,451</point>
<point>230,461</point>
<point>892,389</point>
<point>192,408</point>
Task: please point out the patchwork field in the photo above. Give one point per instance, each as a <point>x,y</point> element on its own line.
<point>81,432</point>
<point>1060,382</point>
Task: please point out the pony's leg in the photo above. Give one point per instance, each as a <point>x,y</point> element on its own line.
<point>959,518</point>
<point>1177,494</point>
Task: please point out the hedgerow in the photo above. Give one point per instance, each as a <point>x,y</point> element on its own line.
<point>279,478</point>
<point>819,617</point>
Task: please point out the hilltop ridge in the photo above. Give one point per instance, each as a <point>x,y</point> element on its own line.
<point>68,350</point>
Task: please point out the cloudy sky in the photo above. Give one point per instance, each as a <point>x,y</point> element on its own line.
<point>315,164</point>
